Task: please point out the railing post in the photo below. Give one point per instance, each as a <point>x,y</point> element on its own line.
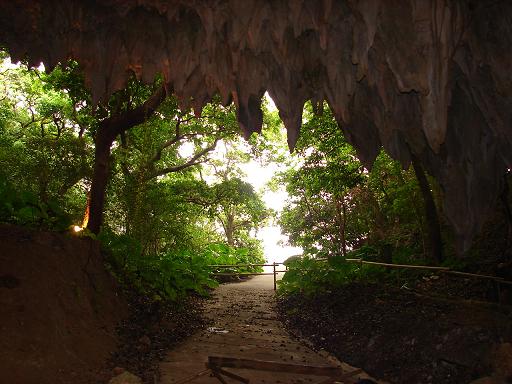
<point>275,278</point>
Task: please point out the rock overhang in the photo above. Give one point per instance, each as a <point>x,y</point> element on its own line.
<point>428,77</point>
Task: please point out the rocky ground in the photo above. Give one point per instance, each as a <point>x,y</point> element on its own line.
<point>151,329</point>
<point>401,337</point>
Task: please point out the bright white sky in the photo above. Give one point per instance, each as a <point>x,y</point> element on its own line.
<point>273,240</point>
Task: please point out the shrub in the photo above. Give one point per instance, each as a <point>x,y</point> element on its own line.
<point>172,274</point>
<point>24,208</point>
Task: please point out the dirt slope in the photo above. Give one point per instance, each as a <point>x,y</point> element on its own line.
<point>58,308</point>
<point>400,337</point>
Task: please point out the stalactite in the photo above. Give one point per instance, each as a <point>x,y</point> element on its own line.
<point>433,76</point>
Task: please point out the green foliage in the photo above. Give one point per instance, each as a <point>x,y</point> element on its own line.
<point>366,252</point>
<point>161,223</point>
<point>168,275</point>
<point>174,273</point>
<point>308,275</point>
<point>24,208</point>
<point>156,174</point>
<point>222,254</point>
<point>318,215</point>
<point>337,205</point>
<point>340,209</point>
<point>43,151</point>
<point>238,208</point>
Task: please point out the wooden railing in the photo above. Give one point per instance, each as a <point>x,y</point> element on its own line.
<point>427,267</point>
<point>446,270</point>
<point>497,280</point>
<point>235,266</point>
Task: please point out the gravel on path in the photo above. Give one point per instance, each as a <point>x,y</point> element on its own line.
<point>243,324</point>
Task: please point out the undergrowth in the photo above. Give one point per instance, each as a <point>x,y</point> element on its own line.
<point>26,209</point>
<point>308,275</point>
<point>173,274</point>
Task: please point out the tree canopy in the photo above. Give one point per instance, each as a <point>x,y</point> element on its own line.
<point>164,190</point>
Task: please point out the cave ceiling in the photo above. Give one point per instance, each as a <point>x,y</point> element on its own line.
<point>428,77</point>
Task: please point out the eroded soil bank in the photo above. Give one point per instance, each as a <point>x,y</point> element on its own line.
<point>63,318</point>
<point>59,308</point>
<point>398,336</point>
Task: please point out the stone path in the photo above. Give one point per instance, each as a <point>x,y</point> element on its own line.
<point>243,325</point>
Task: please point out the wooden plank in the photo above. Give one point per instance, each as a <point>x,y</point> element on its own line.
<point>193,377</point>
<point>241,265</point>
<point>218,376</point>
<point>272,366</point>
<point>346,376</point>
<point>241,273</point>
<point>330,380</point>
<point>231,375</point>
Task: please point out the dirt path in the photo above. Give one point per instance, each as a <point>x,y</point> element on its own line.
<point>243,325</point>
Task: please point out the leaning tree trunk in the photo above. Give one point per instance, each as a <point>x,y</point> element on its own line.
<point>100,179</point>
<point>433,226</point>
<point>107,132</point>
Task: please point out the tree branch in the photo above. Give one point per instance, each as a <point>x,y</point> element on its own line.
<point>191,162</point>
<point>117,124</point>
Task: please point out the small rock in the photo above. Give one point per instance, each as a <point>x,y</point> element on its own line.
<point>145,340</point>
<point>118,370</point>
<point>125,378</point>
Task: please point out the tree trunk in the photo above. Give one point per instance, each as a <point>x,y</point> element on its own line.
<point>230,229</point>
<point>432,218</point>
<point>107,133</point>
<point>100,179</point>
<point>341,213</point>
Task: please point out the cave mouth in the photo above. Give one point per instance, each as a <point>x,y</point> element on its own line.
<point>428,80</point>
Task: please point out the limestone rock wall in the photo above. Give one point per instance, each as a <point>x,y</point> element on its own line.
<point>428,76</point>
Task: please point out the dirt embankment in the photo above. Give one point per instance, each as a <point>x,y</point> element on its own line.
<point>402,338</point>
<point>59,308</point>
